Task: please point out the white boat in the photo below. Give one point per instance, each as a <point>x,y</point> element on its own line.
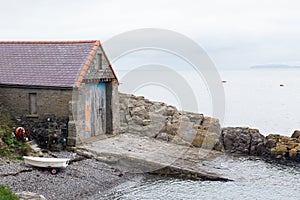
<point>46,162</point>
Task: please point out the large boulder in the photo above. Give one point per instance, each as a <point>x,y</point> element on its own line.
<point>243,141</point>
<point>296,134</point>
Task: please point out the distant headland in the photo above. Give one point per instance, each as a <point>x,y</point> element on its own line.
<point>274,66</point>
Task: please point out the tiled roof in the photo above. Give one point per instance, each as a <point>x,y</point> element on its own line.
<point>47,63</point>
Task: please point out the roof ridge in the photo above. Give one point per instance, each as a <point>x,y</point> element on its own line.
<point>49,42</point>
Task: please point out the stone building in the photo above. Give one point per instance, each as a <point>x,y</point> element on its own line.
<point>72,79</point>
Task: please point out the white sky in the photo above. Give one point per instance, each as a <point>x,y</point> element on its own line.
<point>234,33</point>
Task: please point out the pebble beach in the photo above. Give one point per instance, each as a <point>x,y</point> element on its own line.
<point>80,180</point>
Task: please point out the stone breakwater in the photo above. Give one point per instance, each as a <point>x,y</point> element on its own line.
<point>164,122</point>
<point>158,120</point>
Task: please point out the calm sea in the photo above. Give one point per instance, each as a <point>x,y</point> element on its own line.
<point>253,179</point>
<point>253,98</point>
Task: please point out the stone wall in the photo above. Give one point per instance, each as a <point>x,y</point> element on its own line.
<point>164,122</point>
<point>49,101</point>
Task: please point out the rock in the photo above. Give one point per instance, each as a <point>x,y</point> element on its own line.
<point>139,98</point>
<point>296,134</point>
<point>171,110</point>
<point>270,144</point>
<point>137,120</point>
<point>236,141</point>
<point>171,129</point>
<point>280,149</point>
<point>159,109</point>
<point>140,112</point>
<point>163,136</point>
<point>293,152</point>
<point>165,122</point>
<point>185,119</point>
<point>211,124</point>
<point>257,143</point>
<point>139,104</point>
<point>198,140</point>
<point>147,122</point>
<point>284,148</point>
<point>243,141</point>
<point>195,118</point>
<point>206,140</point>
<point>30,196</point>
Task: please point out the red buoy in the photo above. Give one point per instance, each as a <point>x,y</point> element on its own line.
<point>20,131</point>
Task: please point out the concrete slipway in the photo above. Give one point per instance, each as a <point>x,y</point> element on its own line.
<point>135,154</point>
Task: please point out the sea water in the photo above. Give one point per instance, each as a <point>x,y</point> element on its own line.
<point>254,98</point>
<point>253,179</point>
<point>266,99</point>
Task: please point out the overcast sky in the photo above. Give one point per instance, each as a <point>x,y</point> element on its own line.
<point>234,33</point>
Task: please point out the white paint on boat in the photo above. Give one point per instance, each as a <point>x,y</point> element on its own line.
<point>46,162</point>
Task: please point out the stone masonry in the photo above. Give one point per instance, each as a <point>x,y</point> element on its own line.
<point>49,101</point>
<point>53,93</point>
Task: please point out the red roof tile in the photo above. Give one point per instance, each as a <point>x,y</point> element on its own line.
<point>45,63</point>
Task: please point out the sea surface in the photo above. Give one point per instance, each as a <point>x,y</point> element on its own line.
<point>253,179</point>
<point>253,98</point>
<point>256,98</point>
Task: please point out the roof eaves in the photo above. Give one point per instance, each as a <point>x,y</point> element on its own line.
<point>35,86</point>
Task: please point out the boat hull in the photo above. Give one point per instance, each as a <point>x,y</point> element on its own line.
<point>46,162</point>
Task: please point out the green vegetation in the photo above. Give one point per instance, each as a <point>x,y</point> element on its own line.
<point>6,194</point>
<point>9,146</point>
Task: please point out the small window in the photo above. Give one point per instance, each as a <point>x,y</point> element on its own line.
<point>99,61</point>
<point>32,104</point>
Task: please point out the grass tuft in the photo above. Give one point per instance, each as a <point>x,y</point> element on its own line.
<point>6,194</point>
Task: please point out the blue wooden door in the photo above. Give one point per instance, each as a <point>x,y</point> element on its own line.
<point>98,108</point>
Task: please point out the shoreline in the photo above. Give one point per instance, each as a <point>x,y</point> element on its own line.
<point>80,180</point>
<point>85,178</point>
<point>89,177</point>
